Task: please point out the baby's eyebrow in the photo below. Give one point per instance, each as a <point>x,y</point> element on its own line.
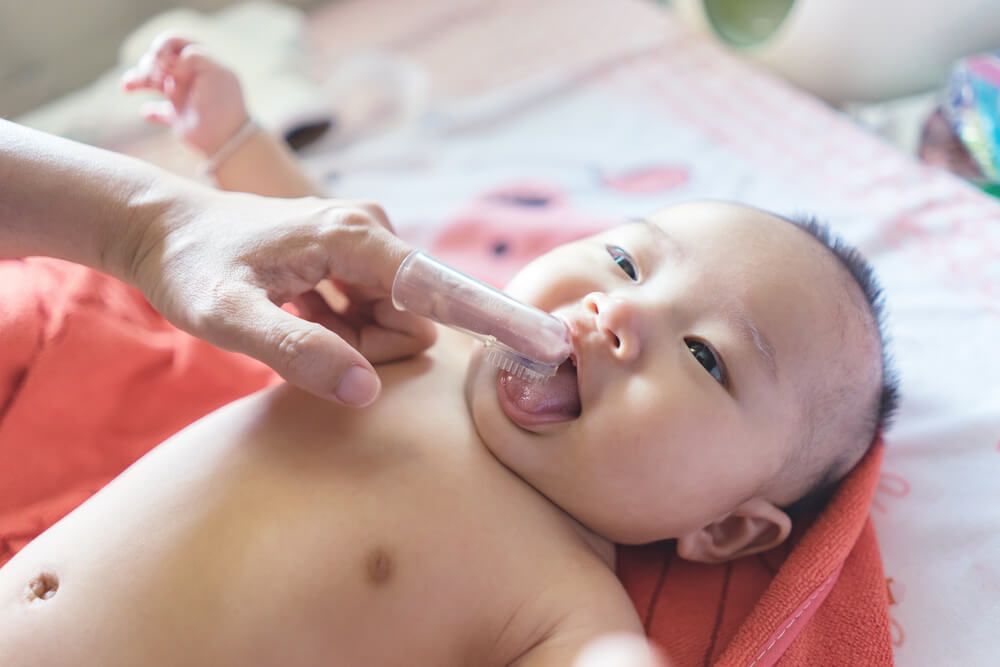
<point>751,333</point>
<point>672,245</point>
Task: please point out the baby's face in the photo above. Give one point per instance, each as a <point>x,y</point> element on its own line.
<point>696,335</point>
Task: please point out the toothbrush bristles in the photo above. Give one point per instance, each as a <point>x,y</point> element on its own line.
<point>514,367</point>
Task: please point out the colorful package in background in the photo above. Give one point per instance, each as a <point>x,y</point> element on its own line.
<point>971,108</point>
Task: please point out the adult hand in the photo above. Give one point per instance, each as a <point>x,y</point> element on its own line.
<point>220,265</point>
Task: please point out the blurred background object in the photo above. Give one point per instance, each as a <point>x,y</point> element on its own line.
<point>971,110</point>
<point>851,50</point>
<point>885,64</point>
<point>52,47</point>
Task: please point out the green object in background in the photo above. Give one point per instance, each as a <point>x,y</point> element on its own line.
<point>745,23</point>
<point>990,188</point>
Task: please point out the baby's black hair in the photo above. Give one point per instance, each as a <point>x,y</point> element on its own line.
<point>882,410</point>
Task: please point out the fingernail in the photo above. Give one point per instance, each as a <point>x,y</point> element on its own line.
<point>357,387</point>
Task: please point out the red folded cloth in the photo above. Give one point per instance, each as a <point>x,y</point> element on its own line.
<point>91,378</point>
<point>821,599</point>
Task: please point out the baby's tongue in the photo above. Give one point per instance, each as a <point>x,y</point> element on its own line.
<point>556,399</point>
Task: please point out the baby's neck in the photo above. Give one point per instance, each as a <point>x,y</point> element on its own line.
<point>448,362</point>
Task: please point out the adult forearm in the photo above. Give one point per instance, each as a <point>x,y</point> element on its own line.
<point>63,199</point>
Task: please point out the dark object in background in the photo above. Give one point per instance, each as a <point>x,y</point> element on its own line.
<point>941,147</point>
<point>300,136</point>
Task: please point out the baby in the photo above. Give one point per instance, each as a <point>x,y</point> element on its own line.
<point>728,365</point>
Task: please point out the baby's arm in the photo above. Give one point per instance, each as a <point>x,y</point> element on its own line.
<point>205,108</point>
<point>584,619</point>
<point>262,164</point>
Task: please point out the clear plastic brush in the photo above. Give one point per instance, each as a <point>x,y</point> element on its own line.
<point>520,339</point>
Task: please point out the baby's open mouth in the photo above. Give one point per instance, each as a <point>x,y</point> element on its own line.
<point>530,404</point>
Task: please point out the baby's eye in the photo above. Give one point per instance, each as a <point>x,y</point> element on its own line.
<point>624,261</point>
<point>708,359</point>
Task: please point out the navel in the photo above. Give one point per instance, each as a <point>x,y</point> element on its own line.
<point>42,587</point>
<point>378,566</point>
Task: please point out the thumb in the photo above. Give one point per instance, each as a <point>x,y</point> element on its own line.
<point>306,354</point>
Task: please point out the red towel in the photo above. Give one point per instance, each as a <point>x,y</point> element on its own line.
<point>91,378</point>
<point>821,599</point>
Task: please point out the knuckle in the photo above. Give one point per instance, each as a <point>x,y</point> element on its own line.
<point>372,209</point>
<point>292,345</point>
<point>355,216</point>
<point>376,213</point>
<point>347,223</point>
<point>214,309</point>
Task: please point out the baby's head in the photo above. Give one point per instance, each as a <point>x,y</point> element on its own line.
<point>729,365</point>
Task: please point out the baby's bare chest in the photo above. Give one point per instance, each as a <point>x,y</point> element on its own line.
<point>374,550</point>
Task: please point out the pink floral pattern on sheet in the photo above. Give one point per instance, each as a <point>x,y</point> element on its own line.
<point>891,487</point>
<point>650,179</point>
<point>896,592</point>
<point>973,229</point>
<point>506,227</point>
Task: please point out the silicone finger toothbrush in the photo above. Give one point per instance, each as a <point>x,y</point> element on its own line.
<point>520,339</point>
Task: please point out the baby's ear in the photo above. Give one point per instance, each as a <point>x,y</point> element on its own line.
<point>756,525</point>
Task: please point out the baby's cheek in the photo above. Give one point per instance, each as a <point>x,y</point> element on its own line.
<point>555,280</point>
<point>537,285</point>
<point>662,419</point>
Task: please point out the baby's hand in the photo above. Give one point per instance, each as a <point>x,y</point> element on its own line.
<point>204,103</point>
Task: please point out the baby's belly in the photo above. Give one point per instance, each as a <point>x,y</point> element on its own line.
<point>243,542</point>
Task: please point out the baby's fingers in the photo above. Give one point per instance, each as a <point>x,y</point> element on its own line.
<point>144,76</point>
<point>167,47</point>
<point>192,60</point>
<point>156,64</point>
<point>161,113</point>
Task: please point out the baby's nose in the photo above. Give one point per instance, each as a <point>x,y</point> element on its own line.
<point>617,319</point>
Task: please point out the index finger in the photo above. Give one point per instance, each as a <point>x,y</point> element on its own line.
<point>363,254</point>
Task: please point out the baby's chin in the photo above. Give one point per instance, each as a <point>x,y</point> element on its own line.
<point>480,400</point>
<point>494,428</point>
